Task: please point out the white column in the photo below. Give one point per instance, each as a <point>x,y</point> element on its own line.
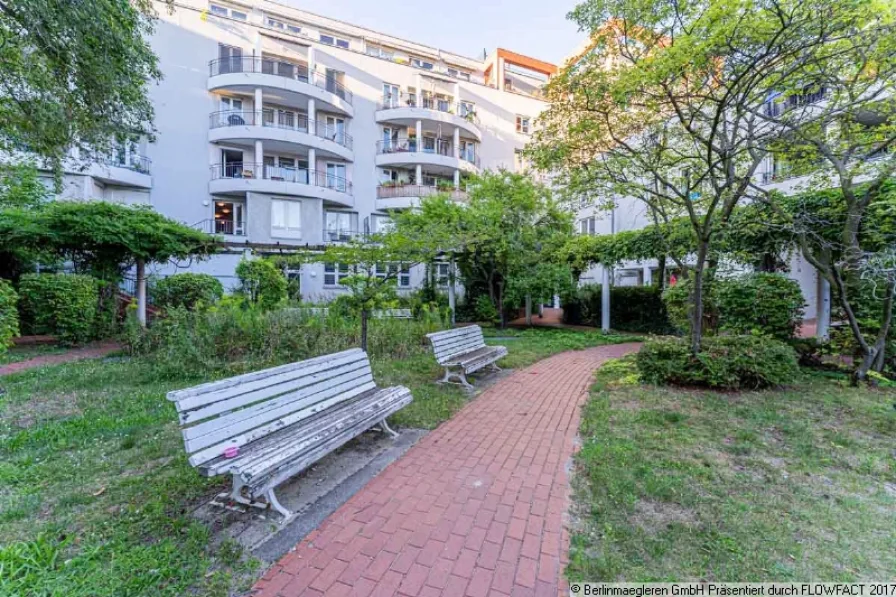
<point>259,106</point>
<point>457,98</point>
<point>312,164</point>
<point>419,180</point>
<point>457,180</point>
<point>499,84</point>
<point>311,64</point>
<point>457,143</point>
<point>419,135</point>
<point>452,301</point>
<point>312,117</point>
<point>141,292</point>
<point>605,300</point>
<point>259,160</point>
<point>648,275</point>
<point>419,84</point>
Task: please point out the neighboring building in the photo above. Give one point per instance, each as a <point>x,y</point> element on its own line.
<point>279,128</point>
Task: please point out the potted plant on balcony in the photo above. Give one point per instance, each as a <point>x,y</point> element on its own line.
<point>470,116</point>
<point>444,185</point>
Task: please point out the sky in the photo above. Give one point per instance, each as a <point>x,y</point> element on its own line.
<point>536,28</point>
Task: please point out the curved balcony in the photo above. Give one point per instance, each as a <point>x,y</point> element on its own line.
<point>404,111</point>
<point>439,158</point>
<point>405,196</point>
<point>291,82</point>
<point>241,178</point>
<point>131,171</point>
<point>281,132</point>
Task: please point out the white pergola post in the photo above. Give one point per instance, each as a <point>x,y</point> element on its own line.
<point>605,300</point>
<point>141,292</point>
<point>452,298</point>
<point>823,318</point>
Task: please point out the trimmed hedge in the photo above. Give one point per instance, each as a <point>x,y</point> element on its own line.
<point>632,308</point>
<point>64,305</point>
<point>724,362</point>
<point>187,290</point>
<point>9,315</point>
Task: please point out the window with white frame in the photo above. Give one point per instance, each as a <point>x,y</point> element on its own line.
<point>340,225</point>
<point>520,163</point>
<point>424,64</point>
<point>588,225</point>
<point>379,52</point>
<point>332,40</point>
<point>283,26</point>
<point>458,74</point>
<point>442,274</point>
<point>286,218</point>
<point>224,11</point>
<point>399,271</point>
<point>335,273</point>
<point>522,125</point>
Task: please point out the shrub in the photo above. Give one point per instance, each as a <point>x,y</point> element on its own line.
<point>234,337</point>
<point>485,310</point>
<point>9,315</point>
<point>725,362</point>
<point>64,305</point>
<point>262,283</point>
<point>187,290</point>
<point>632,308</point>
<point>677,300</point>
<point>759,303</point>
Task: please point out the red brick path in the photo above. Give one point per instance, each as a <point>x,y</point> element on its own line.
<point>475,508</point>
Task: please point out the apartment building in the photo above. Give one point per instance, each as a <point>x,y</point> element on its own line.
<point>278,129</point>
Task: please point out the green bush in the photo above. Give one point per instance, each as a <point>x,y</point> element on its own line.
<point>262,283</point>
<point>724,362</point>
<point>677,300</point>
<point>234,337</point>
<point>187,290</point>
<point>64,305</point>
<point>632,308</point>
<point>760,303</point>
<point>9,315</point>
<point>485,310</point>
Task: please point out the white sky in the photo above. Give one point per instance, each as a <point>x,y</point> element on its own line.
<point>536,28</point>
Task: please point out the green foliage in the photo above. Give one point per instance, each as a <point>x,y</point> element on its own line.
<point>59,304</point>
<point>187,290</point>
<point>632,308</point>
<point>9,315</point>
<point>484,310</point>
<point>262,283</point>
<point>76,75</point>
<point>234,338</point>
<point>677,299</point>
<point>759,303</point>
<point>20,186</point>
<point>725,362</point>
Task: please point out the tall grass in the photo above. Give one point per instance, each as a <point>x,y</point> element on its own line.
<point>233,339</point>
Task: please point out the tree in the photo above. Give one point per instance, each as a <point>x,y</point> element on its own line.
<point>665,107</point>
<point>509,226</point>
<point>74,75</point>
<point>105,239</point>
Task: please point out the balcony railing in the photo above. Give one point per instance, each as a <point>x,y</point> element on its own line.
<point>221,226</point>
<point>775,108</point>
<point>414,190</point>
<point>341,235</point>
<point>256,171</point>
<point>409,100</point>
<point>430,146</point>
<point>288,70</point>
<point>137,163</point>
<point>281,120</point>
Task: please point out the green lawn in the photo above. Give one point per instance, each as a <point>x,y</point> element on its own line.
<point>95,491</point>
<point>773,486</point>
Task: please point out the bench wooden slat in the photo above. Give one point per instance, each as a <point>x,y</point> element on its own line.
<point>200,396</point>
<point>292,386</point>
<point>279,474</point>
<point>463,348</point>
<point>372,405</point>
<point>250,429</point>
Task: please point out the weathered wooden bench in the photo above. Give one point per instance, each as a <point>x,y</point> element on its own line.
<point>264,427</point>
<point>463,350</point>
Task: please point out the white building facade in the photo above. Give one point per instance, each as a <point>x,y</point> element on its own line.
<point>279,129</point>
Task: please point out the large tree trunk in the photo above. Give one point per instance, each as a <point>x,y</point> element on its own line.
<point>873,360</point>
<point>661,272</point>
<point>697,299</point>
<point>529,310</point>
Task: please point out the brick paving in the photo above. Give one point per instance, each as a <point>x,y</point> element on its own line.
<point>476,508</point>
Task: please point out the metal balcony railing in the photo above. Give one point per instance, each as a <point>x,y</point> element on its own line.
<point>281,120</point>
<point>317,178</point>
<point>393,191</point>
<point>773,108</point>
<point>280,68</point>
<point>465,110</point>
<point>137,163</point>
<point>221,226</point>
<point>341,235</point>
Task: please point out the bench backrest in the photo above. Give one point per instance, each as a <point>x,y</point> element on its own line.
<point>238,410</point>
<point>456,341</point>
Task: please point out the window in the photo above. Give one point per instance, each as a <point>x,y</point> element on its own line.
<point>588,225</point>
<point>239,16</point>
<point>286,218</point>
<point>467,109</point>
<point>219,10</point>
<point>340,226</point>
<point>229,218</point>
<point>522,124</point>
<point>391,95</point>
<point>442,271</point>
<point>335,273</point>
<point>458,74</point>
<point>333,41</point>
<point>398,271</point>
<point>379,52</point>
<point>422,64</point>
<point>223,11</point>
<point>336,177</point>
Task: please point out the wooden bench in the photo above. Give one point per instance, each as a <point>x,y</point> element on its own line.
<point>463,350</point>
<point>264,427</point>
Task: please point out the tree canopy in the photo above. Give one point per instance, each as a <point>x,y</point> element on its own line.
<point>74,75</point>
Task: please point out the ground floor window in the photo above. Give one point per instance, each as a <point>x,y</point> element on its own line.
<point>442,274</point>
<point>399,271</point>
<point>286,218</point>
<point>334,273</point>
